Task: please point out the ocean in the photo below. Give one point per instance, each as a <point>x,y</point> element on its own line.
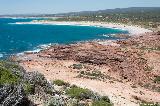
<point>17,38</point>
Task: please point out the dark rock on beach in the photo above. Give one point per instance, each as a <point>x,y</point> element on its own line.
<point>127,60</point>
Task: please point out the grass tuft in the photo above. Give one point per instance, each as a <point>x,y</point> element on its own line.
<point>149,104</point>
<point>157,80</point>
<point>60,83</point>
<point>28,88</point>
<point>78,93</point>
<point>101,103</point>
<point>77,66</point>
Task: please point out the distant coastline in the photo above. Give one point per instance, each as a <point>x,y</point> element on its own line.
<point>133,30</point>
<point>37,35</point>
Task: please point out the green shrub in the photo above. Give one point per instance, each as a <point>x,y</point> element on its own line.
<point>158,48</point>
<point>105,98</point>
<point>101,103</point>
<point>55,101</point>
<point>149,104</point>
<point>6,77</point>
<point>60,83</point>
<point>157,80</point>
<point>28,88</point>
<point>13,68</point>
<point>78,93</point>
<point>96,73</point>
<point>77,66</point>
<point>9,65</point>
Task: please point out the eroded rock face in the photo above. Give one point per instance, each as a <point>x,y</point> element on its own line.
<point>127,60</point>
<point>149,40</point>
<point>127,63</point>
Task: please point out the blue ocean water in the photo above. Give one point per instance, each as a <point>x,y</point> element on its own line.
<point>16,38</point>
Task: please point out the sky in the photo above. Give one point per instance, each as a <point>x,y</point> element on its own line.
<point>61,6</point>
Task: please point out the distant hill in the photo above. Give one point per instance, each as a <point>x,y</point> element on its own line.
<point>117,10</point>
<point>132,10</point>
<point>144,16</point>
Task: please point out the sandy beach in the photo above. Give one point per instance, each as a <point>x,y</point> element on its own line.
<point>133,30</point>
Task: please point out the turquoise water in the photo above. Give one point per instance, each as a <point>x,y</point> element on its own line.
<point>17,38</point>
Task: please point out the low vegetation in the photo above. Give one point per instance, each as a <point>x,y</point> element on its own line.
<point>77,66</point>
<point>6,77</point>
<point>25,87</point>
<point>60,83</point>
<point>149,104</point>
<point>95,74</point>
<point>144,102</point>
<point>28,88</point>
<point>157,80</point>
<point>150,48</point>
<point>101,103</point>
<point>77,96</point>
<point>56,101</point>
<point>78,93</point>
<point>16,85</point>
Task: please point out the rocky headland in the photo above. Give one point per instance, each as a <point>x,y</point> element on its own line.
<point>127,71</point>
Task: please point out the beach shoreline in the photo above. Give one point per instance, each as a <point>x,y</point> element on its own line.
<point>133,30</point>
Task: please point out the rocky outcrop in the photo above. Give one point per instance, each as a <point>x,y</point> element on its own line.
<point>147,41</point>
<point>127,61</point>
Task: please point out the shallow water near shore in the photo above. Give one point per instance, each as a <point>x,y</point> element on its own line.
<point>15,38</point>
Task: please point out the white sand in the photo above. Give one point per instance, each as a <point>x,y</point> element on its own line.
<point>133,30</point>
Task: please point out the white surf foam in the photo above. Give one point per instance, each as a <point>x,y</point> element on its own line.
<point>106,35</point>
<point>34,51</point>
<point>37,49</point>
<point>1,55</point>
<point>24,17</point>
<point>45,46</point>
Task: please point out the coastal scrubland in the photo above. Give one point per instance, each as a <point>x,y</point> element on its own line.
<point>127,73</point>
<point>96,73</point>
<point>124,72</point>
<point>21,88</point>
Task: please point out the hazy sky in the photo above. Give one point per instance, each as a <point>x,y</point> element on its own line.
<point>59,6</point>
